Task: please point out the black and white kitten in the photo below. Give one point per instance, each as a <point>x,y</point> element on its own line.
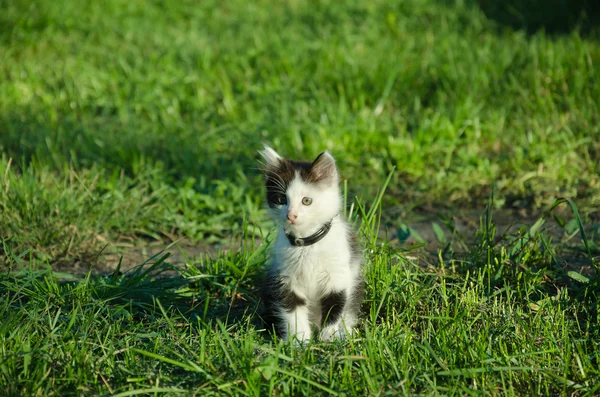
<point>314,278</point>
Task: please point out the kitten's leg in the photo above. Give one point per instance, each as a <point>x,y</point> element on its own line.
<point>332,309</point>
<point>295,317</point>
<point>352,308</point>
<point>296,324</point>
<point>347,324</point>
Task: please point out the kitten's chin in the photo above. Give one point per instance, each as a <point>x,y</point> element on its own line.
<point>300,229</point>
<point>290,227</point>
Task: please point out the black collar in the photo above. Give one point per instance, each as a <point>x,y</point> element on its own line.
<point>310,240</point>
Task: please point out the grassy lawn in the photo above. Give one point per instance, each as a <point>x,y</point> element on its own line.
<point>128,123</point>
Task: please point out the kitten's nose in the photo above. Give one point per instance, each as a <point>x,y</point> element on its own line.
<point>291,217</point>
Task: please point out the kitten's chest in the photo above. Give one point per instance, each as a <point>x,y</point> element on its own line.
<point>313,258</point>
<point>318,265</point>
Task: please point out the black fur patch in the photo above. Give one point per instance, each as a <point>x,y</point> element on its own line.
<point>276,294</point>
<point>290,301</point>
<point>332,306</point>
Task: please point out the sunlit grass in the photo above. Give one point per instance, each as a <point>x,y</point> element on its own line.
<point>171,102</point>
<point>128,121</point>
<point>499,321</point>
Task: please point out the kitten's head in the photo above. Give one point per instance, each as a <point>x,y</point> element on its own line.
<point>302,196</point>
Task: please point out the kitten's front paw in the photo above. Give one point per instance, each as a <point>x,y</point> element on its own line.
<point>300,339</point>
<point>333,332</point>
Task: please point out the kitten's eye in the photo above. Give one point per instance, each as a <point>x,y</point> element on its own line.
<point>307,201</point>
<point>280,199</point>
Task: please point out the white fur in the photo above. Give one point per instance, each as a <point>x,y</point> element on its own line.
<point>270,155</point>
<point>314,271</point>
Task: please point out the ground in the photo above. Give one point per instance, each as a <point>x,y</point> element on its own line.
<point>132,215</point>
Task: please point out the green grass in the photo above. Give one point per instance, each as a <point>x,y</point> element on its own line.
<point>128,122</point>
<point>122,100</point>
<point>500,321</point>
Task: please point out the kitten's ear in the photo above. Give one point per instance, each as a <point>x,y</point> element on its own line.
<point>323,168</point>
<point>271,157</point>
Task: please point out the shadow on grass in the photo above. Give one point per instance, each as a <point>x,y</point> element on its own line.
<point>197,293</point>
<point>204,154</point>
<point>154,289</point>
<point>75,186</point>
<point>554,16</point>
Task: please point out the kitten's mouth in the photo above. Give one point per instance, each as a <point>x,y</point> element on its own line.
<point>289,226</point>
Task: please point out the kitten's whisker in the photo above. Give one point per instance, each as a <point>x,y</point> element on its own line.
<point>279,186</point>
<point>277,180</point>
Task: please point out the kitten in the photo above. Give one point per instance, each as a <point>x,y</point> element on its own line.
<point>314,277</point>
